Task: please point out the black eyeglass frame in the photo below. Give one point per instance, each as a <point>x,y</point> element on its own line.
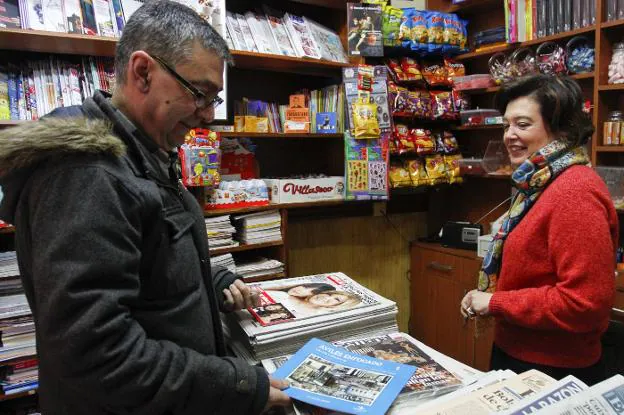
<point>201,100</point>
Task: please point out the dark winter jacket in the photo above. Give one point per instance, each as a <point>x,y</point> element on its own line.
<point>114,260</point>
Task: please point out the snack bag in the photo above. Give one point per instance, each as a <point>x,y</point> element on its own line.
<point>417,172</point>
<point>405,142</point>
<point>411,69</point>
<point>446,143</point>
<point>396,70</point>
<point>399,176</point>
<point>436,169</point>
<point>451,33</point>
<point>442,105</point>
<point>454,69</point>
<point>424,141</point>
<point>435,29</point>
<point>365,120</point>
<point>420,32</point>
<point>435,74</point>
<point>398,97</point>
<point>405,28</point>
<point>391,26</point>
<point>452,168</point>
<point>461,101</point>
<point>419,104</point>
<point>463,35</point>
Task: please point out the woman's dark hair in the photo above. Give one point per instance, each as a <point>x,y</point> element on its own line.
<point>561,105</point>
<point>317,287</point>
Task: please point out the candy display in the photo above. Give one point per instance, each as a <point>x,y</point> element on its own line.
<point>551,59</point>
<point>356,80</point>
<point>200,157</point>
<point>234,194</point>
<point>302,190</point>
<point>616,67</point>
<point>580,55</point>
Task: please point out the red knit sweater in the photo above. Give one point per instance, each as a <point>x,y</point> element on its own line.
<point>556,285</point>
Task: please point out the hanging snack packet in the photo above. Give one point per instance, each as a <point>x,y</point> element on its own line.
<point>442,105</point>
<point>411,69</point>
<point>461,101</point>
<point>435,74</point>
<point>399,176</point>
<point>365,119</point>
<point>463,35</point>
<point>451,33</point>
<point>452,168</point>
<point>447,143</point>
<point>417,172</point>
<point>420,32</point>
<point>436,169</point>
<point>398,97</point>
<point>454,69</point>
<point>396,70</point>
<point>419,104</point>
<point>366,75</point>
<point>424,141</point>
<point>435,29</point>
<point>405,28</point>
<point>405,142</point>
<point>392,18</point>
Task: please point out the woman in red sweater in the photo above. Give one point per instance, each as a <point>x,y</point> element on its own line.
<point>548,278</point>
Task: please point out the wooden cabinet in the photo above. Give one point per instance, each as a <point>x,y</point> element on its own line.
<point>440,277</point>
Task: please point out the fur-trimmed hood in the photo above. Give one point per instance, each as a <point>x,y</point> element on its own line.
<point>32,142</point>
<point>25,146</point>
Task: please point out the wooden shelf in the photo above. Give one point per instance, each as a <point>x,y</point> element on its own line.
<point>55,42</point>
<point>330,4</point>
<point>218,212</point>
<point>614,87</point>
<point>477,127</point>
<point>245,247</point>
<point>11,123</point>
<point>265,277</point>
<point>559,36</point>
<point>280,135</point>
<point>4,398</point>
<point>493,89</point>
<point>610,149</point>
<point>486,52</point>
<point>278,63</point>
<point>471,6</point>
<point>586,75</point>
<point>7,230</point>
<point>612,23</point>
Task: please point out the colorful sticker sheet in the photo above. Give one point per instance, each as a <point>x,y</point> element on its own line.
<point>366,168</point>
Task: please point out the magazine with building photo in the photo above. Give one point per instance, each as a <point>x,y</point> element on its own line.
<point>430,376</point>
<point>364,36</point>
<point>297,299</point>
<point>324,375</point>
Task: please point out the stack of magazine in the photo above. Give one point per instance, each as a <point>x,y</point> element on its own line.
<point>329,306</point>
<point>9,274</point>
<point>220,232</point>
<point>259,228</point>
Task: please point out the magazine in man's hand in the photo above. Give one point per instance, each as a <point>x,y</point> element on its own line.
<point>334,378</point>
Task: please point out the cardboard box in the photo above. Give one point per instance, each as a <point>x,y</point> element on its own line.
<point>306,190</point>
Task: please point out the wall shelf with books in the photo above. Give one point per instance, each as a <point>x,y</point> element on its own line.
<point>55,42</point>
<point>218,212</point>
<point>279,63</point>
<point>245,247</point>
<point>294,136</point>
<point>613,23</point>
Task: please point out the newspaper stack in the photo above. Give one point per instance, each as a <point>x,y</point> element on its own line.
<point>259,228</point>
<point>225,261</point>
<point>328,306</point>
<point>9,274</point>
<point>261,267</point>
<point>220,232</point>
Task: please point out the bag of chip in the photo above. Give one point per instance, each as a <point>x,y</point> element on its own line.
<point>405,142</point>
<point>424,141</point>
<point>435,29</point>
<point>399,100</point>
<point>442,105</point>
<point>396,70</point>
<point>419,104</point>
<point>417,172</point>
<point>452,168</point>
<point>461,101</point>
<point>454,69</point>
<point>405,28</point>
<point>435,74</point>
<point>399,175</point>
<point>436,169</point>
<point>392,18</point>
<point>420,32</point>
<point>446,142</point>
<point>411,69</point>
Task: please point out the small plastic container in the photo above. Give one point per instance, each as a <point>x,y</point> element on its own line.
<point>477,81</point>
<point>614,178</point>
<point>471,167</point>
<point>478,116</point>
<point>496,159</point>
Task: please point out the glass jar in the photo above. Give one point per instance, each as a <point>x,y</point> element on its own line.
<point>616,67</point>
<point>613,129</point>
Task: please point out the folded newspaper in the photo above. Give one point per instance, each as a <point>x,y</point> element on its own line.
<point>334,378</point>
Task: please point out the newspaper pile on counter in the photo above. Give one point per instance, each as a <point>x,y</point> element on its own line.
<point>328,306</point>
<point>220,232</point>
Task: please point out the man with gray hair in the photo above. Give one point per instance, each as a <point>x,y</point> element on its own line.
<point>112,249</point>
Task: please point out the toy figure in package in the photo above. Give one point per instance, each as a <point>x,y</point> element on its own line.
<point>199,158</point>
<point>365,23</point>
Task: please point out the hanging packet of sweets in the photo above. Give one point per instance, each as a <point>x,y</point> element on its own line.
<point>435,28</point>
<point>405,143</point>
<point>435,74</point>
<point>424,141</point>
<point>398,97</point>
<point>453,69</point>
<point>365,119</point>
<point>396,70</point>
<point>419,104</point>
<point>417,172</point>
<point>436,169</point>
<point>452,168</point>
<point>411,69</point>
<point>420,32</point>
<point>461,101</point>
<point>200,157</point>
<point>365,78</point>
<point>451,33</point>
<point>405,28</point>
<point>399,175</point>
<point>446,142</point>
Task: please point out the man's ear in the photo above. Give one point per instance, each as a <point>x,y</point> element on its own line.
<point>139,72</point>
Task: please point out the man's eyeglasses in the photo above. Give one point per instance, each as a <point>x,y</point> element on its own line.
<point>201,100</point>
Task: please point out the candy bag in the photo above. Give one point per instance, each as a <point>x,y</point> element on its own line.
<point>411,69</point>
<point>417,172</point>
<point>435,74</point>
<point>420,33</point>
<point>435,29</point>
<point>436,169</point>
<point>452,168</point>
<point>442,105</point>
<point>365,120</point>
<point>399,176</point>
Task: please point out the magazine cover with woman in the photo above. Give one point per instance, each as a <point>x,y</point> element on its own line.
<point>297,299</point>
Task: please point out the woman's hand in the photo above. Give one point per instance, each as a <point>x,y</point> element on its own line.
<point>475,303</point>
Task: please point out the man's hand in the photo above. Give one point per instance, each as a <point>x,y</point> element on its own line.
<point>240,296</point>
<point>475,303</point>
<point>276,396</point>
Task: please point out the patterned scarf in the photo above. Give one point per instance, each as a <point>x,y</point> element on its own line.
<point>530,178</point>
